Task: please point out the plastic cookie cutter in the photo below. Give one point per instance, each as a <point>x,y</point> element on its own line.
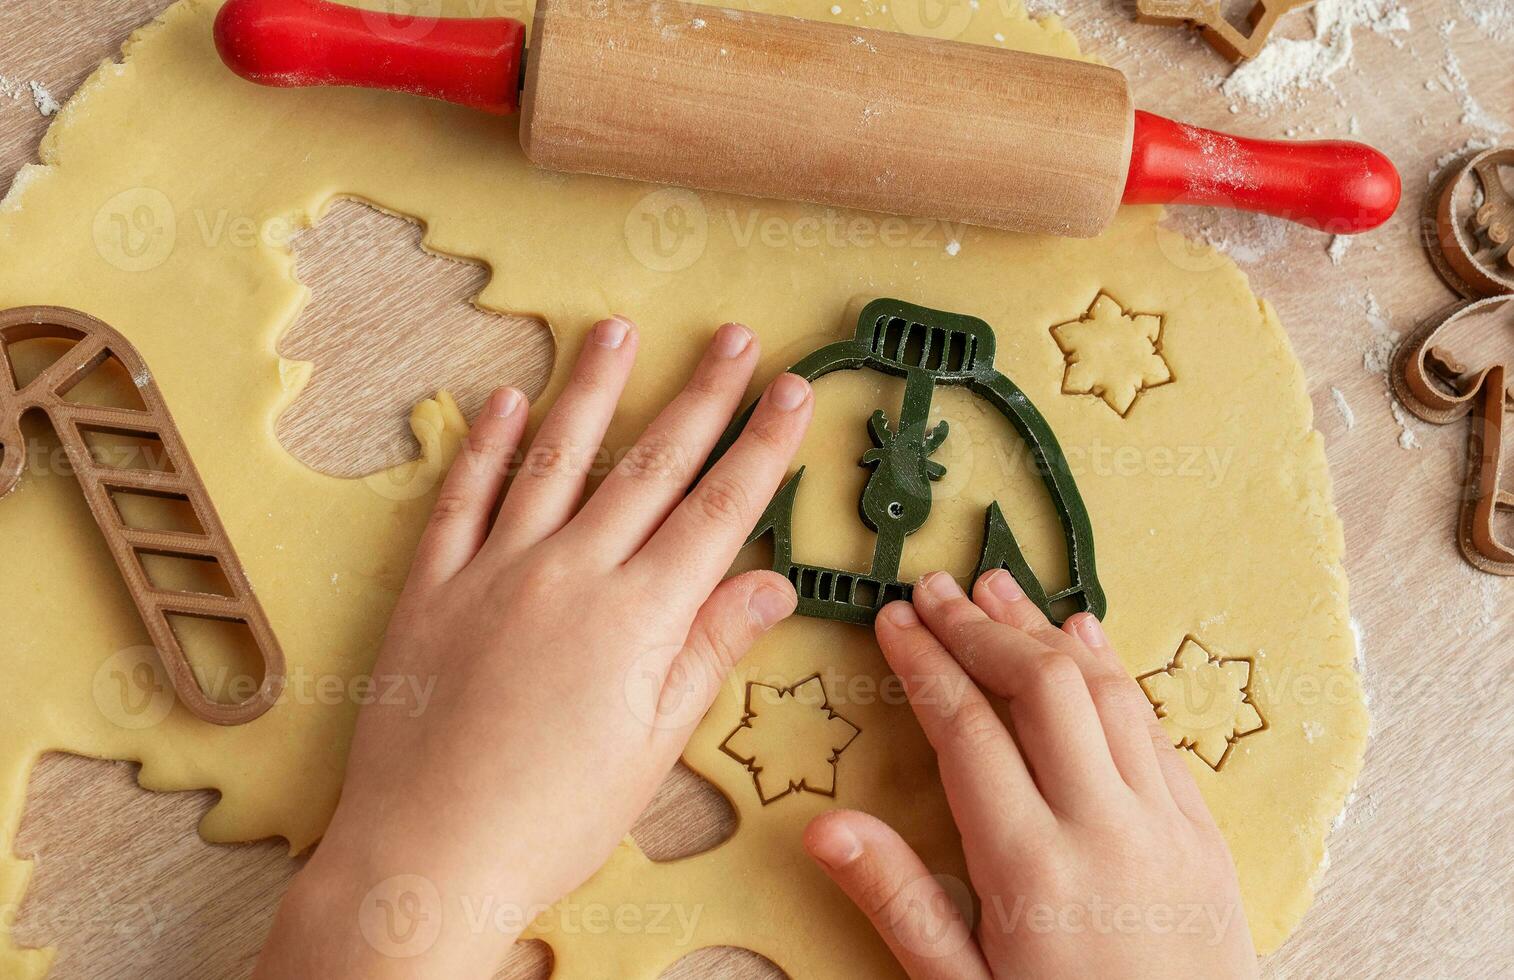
<point>1472,212</point>
<point>53,391</point>
<point>929,349</point>
<point>1209,17</point>
<point>1436,387</point>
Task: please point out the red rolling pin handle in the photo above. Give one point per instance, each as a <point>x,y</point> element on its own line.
<point>286,43</point>
<point>1333,185</point>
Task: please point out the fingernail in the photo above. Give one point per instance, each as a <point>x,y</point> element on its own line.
<point>901,614</point>
<point>789,392</point>
<point>838,848</point>
<point>1003,586</point>
<point>1091,631</point>
<point>504,402</point>
<point>769,607</point>
<point>611,333</point>
<point>731,339</point>
<point>941,585</point>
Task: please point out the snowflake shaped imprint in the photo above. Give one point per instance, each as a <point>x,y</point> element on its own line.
<point>1204,701</point>
<point>789,739</point>
<point>1112,353</point>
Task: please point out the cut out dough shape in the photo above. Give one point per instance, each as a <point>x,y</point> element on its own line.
<point>1112,353</point>
<point>790,739</point>
<point>353,262</point>
<point>1204,701</point>
<point>170,133</point>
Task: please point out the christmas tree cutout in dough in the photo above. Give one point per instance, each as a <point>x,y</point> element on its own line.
<point>1112,353</point>
<point>1204,701</point>
<point>789,739</point>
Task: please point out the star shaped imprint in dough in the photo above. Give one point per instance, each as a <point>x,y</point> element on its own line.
<point>1204,701</point>
<point>789,739</point>
<point>1112,353</point>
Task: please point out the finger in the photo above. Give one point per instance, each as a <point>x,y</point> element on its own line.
<point>460,518</point>
<point>910,908</point>
<point>700,539</point>
<point>648,483</point>
<point>1123,710</point>
<point>987,783</point>
<point>550,484</point>
<point>1053,714</point>
<point>739,611</point>
<point>1143,722</point>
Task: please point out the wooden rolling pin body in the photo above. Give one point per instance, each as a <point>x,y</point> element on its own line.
<point>791,109</point>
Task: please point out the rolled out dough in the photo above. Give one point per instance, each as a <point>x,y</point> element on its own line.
<point>1210,497</point>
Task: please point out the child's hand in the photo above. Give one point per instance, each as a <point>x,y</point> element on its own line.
<point>573,653</point>
<point>1086,839</point>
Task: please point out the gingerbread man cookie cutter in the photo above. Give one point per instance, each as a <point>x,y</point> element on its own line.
<point>1436,387</point>
<point>95,343</point>
<point>1472,212</point>
<point>1209,16</point>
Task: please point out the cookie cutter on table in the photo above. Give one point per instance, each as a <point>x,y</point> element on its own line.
<point>1436,387</point>
<point>1472,212</point>
<point>1209,16</point>
<point>94,344</point>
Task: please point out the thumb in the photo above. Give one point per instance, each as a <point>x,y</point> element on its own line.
<point>739,611</point>
<point>911,908</point>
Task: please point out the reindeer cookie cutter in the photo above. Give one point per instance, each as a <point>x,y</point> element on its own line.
<point>1209,16</point>
<point>929,349</point>
<point>1472,212</point>
<point>94,344</point>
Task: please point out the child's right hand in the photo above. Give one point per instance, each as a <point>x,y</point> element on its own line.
<point>1088,844</point>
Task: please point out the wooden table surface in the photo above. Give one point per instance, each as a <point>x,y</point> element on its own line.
<point>1421,882</point>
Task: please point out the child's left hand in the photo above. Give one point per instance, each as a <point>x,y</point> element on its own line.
<point>573,652</point>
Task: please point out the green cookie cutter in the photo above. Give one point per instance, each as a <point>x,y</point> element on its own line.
<point>928,348</point>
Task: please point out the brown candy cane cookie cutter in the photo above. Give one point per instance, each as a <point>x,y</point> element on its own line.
<point>1209,17</point>
<point>1472,212</point>
<point>95,343</point>
<point>1436,387</point>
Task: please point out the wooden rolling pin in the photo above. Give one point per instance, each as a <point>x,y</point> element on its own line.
<point>780,107</point>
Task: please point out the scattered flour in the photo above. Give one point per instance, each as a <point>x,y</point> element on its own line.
<point>1472,113</point>
<point>1407,437</point>
<point>953,247</point>
<point>1246,238</point>
<point>1378,356</point>
<point>43,100</point>
<point>1337,248</point>
<point>15,88</point>
<point>19,184</point>
<point>1495,18</point>
<point>1344,408</point>
<point>1288,66</point>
